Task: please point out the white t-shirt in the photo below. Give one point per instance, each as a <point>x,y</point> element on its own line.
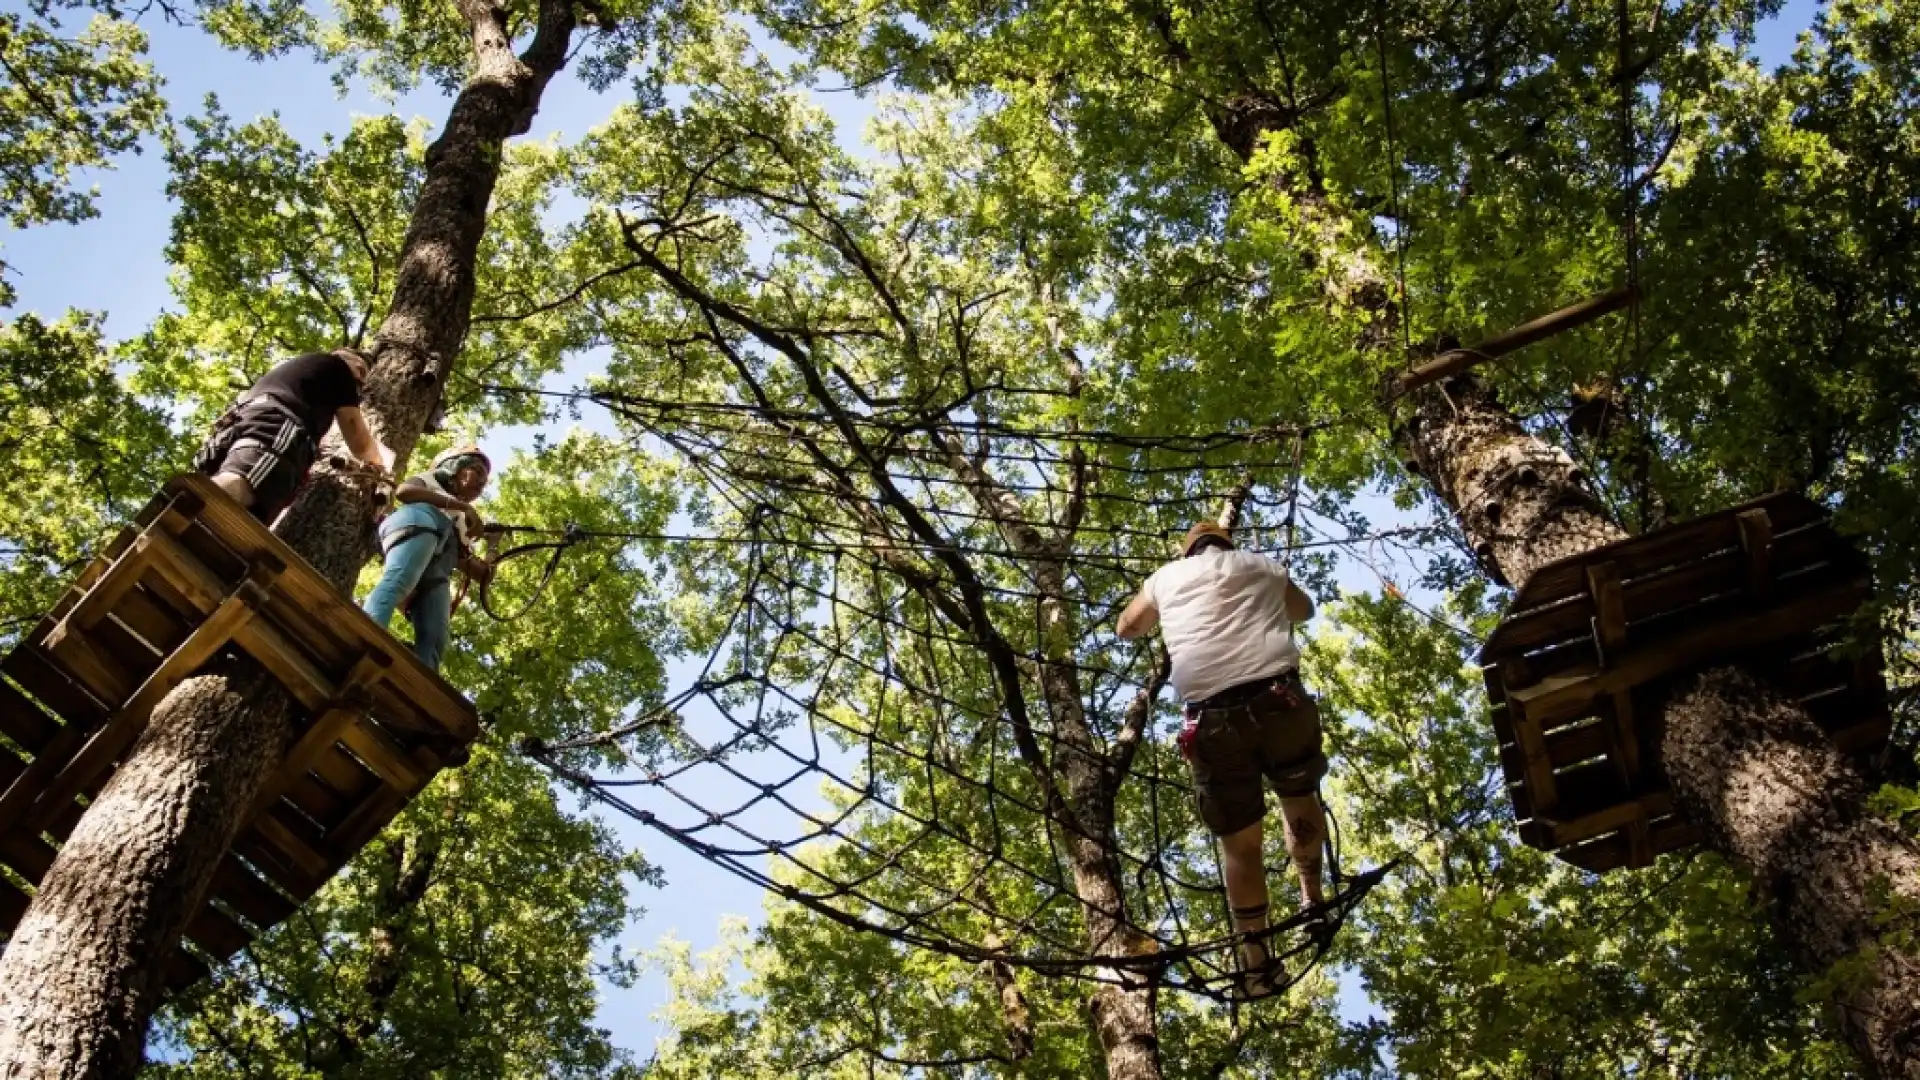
<point>1223,615</point>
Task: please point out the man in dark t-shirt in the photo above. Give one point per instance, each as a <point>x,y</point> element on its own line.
<point>262,447</point>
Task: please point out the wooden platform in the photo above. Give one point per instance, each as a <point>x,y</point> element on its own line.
<point>195,580</point>
<point>1576,669</point>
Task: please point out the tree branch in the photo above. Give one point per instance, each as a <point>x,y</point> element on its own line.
<point>574,294</point>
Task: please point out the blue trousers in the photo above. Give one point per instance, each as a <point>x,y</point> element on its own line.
<point>407,563</point>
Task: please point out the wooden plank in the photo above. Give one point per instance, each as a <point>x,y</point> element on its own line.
<point>1502,723</point>
<point>1455,361</point>
<point>1723,572</point>
<point>1609,609</point>
<point>318,625</point>
<point>277,866</point>
<point>89,574</point>
<point>1567,745</point>
<point>431,697</point>
<point>373,814</point>
<point>112,741</point>
<point>213,552</point>
<point>183,970</point>
<point>111,638</point>
<point>91,667</point>
<point>190,579</point>
<point>174,508</point>
<point>23,721</point>
<point>317,800</point>
<point>1534,763</point>
<point>65,698</point>
<point>1641,555</point>
<point>396,711</point>
<point>387,759</point>
<point>1623,738</point>
<point>320,735</point>
<point>1611,852</point>
<point>1756,543</point>
<point>251,897</point>
<point>1814,672</point>
<point>307,684</point>
<point>325,730</point>
<point>148,616</point>
<point>1868,732</point>
<point>28,856</point>
<point>345,774</point>
<point>24,793</point>
<point>1583,789</point>
<point>1609,818</point>
<point>293,851</point>
<point>216,933</point>
<point>1562,698</point>
<point>101,597</point>
<point>309,832</point>
<point>13,904</point>
<point>1639,835</point>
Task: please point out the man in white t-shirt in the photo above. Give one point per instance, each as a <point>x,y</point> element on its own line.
<point>1227,618</point>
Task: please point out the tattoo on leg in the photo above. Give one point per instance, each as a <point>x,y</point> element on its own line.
<point>1250,914</point>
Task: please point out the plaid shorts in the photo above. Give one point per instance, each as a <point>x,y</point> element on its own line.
<point>1264,730</point>
<point>264,444</point>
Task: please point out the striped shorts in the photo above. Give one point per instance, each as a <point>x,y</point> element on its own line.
<point>263,443</point>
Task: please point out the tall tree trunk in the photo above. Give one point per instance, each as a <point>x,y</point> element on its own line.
<point>1772,791</point>
<point>1775,795</point>
<point>82,975</point>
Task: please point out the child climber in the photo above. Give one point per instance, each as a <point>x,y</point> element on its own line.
<point>430,535</point>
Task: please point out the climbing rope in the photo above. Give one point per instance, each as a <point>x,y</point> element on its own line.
<point>571,535</point>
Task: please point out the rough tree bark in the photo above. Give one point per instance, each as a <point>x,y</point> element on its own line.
<point>1772,791</point>
<point>82,974</point>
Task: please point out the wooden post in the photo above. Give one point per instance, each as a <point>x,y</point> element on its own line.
<point>1455,361</point>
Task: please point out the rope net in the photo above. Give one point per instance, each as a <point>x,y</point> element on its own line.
<point>914,717</point>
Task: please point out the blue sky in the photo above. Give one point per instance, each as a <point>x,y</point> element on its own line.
<point>114,264</point>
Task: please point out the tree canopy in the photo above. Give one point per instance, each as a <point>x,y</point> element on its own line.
<point>869,435</point>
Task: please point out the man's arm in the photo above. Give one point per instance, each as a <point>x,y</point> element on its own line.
<point>413,492</point>
<point>1299,604</point>
<point>476,568</point>
<point>359,438</point>
<point>1141,616</point>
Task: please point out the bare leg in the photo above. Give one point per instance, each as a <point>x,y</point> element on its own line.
<point>1306,824</point>
<point>1246,880</point>
<point>236,487</point>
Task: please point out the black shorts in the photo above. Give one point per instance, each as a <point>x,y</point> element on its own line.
<point>1272,734</point>
<point>264,444</point>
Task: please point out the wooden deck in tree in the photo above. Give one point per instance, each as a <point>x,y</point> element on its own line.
<point>194,583</point>
<point>1577,669</point>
